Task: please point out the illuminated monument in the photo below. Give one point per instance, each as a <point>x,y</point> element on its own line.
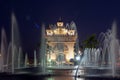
<point>60,40</point>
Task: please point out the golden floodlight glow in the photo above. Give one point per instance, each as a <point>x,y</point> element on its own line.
<point>56,31</point>
<point>64,31</point>
<point>61,31</point>
<point>62,41</point>
<point>49,32</point>
<point>53,56</point>
<point>71,32</point>
<point>59,24</point>
<point>69,56</point>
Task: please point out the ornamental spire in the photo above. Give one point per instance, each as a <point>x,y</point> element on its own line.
<point>60,22</point>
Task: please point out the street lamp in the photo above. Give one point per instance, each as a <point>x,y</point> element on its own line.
<point>78,57</point>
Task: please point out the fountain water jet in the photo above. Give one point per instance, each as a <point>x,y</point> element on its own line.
<point>20,58</point>
<point>43,48</point>
<point>9,58</point>
<point>35,59</point>
<point>114,49</point>
<point>15,39</point>
<point>26,60</point>
<point>3,50</point>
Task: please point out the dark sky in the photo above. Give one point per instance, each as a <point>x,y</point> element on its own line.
<point>90,17</point>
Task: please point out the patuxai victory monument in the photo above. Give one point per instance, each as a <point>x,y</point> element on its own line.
<point>60,40</point>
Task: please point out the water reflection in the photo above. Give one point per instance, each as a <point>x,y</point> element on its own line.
<point>37,77</point>
<point>80,79</point>
<point>63,78</point>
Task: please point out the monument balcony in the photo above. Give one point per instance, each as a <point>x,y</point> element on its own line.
<point>61,38</point>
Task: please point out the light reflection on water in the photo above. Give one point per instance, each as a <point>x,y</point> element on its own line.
<point>80,79</point>
<point>63,78</point>
<point>67,75</point>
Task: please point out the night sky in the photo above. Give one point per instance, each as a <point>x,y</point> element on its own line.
<point>89,16</point>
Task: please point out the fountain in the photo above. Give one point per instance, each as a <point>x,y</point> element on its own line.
<point>105,58</point>
<point>10,54</point>
<point>15,42</point>
<point>3,50</point>
<point>20,56</point>
<point>43,48</point>
<point>26,60</point>
<point>111,47</point>
<point>35,59</point>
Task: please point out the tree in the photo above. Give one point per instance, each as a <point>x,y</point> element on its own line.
<point>91,42</point>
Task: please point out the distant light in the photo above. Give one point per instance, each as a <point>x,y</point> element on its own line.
<point>77,57</point>
<point>79,52</point>
<point>49,60</point>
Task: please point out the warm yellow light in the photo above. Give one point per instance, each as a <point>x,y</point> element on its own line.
<point>53,56</point>
<point>64,31</point>
<point>59,24</point>
<point>71,32</point>
<point>56,31</point>
<point>60,31</point>
<point>69,56</point>
<point>49,32</point>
